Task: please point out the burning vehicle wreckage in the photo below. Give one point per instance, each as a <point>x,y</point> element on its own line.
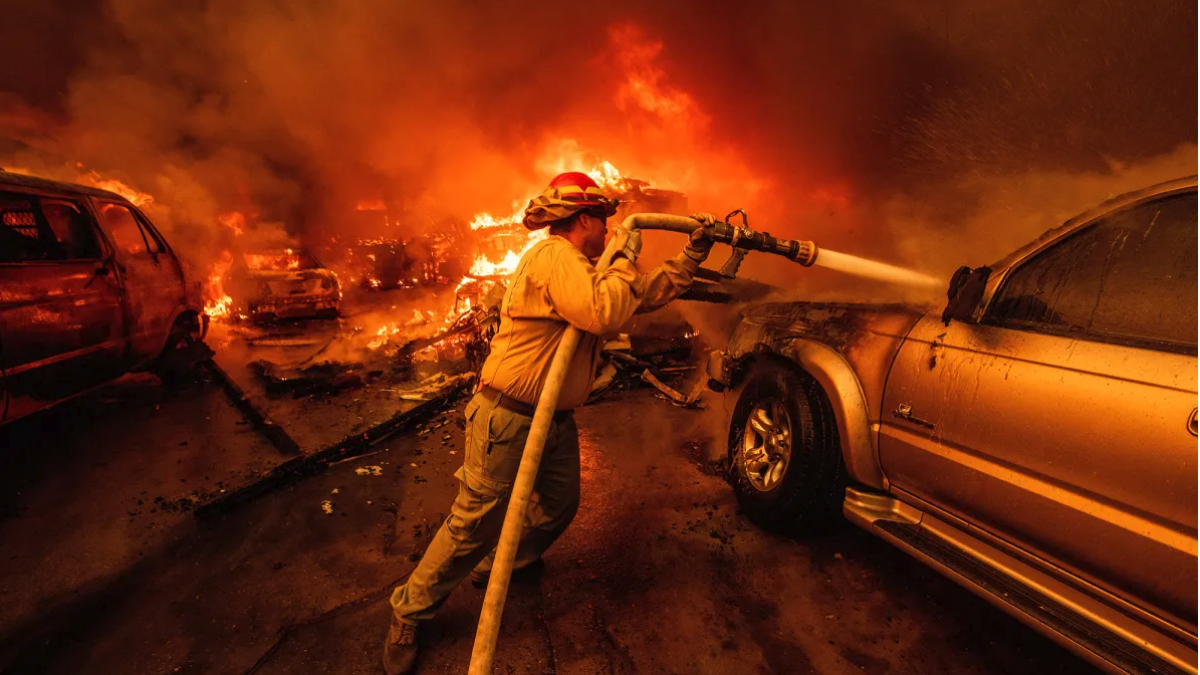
<point>433,349</point>
<point>281,284</point>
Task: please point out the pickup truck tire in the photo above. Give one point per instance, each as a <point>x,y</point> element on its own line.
<point>787,468</point>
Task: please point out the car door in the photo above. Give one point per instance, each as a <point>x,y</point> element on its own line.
<point>151,279</point>
<point>61,324</point>
<point>1064,421</point>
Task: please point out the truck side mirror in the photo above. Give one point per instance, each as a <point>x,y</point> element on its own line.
<point>965,292</point>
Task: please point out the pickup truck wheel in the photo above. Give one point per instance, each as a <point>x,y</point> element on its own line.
<point>787,468</point>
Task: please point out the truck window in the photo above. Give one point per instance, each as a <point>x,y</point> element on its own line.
<point>1129,278</point>
<point>24,235</point>
<point>122,226</point>
<point>72,229</point>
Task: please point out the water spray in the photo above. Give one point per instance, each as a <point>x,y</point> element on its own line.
<point>743,239</point>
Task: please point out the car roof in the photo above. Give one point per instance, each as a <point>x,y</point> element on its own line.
<point>1108,206</point>
<point>47,185</point>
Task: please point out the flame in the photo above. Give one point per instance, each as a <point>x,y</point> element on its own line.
<point>386,332</point>
<point>486,221</point>
<point>94,179</point>
<point>137,197</point>
<point>606,175</point>
<point>568,157</point>
<point>482,267</point>
<point>218,304</point>
<point>645,81</point>
<point>234,220</point>
<point>220,308</point>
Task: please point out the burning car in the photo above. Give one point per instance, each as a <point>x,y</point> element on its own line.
<point>385,264</point>
<point>283,284</point>
<point>92,290</point>
<point>1035,442</point>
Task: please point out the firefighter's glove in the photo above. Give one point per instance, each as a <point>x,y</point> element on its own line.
<point>628,243</point>
<point>699,244</point>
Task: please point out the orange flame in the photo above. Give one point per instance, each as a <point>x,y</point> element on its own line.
<point>568,157</point>
<point>234,220</point>
<point>645,85</point>
<point>137,197</point>
<point>218,304</point>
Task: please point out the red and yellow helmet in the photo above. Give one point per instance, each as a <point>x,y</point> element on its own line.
<point>568,194</point>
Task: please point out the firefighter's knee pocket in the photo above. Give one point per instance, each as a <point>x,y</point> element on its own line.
<point>477,498</point>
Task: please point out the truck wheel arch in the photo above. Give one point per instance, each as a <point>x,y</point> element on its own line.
<point>846,397</point>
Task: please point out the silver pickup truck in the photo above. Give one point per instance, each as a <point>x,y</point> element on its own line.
<point>1034,442</point>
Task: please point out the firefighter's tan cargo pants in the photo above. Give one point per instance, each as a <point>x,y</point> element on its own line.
<point>495,438</point>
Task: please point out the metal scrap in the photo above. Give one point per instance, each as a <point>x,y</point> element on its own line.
<point>322,378</point>
<point>689,401</point>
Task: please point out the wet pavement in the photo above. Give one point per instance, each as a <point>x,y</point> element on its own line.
<point>658,574</point>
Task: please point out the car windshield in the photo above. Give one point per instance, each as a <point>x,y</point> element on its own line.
<point>281,261</point>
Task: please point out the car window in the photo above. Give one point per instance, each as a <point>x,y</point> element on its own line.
<point>153,238</point>
<point>1129,278</point>
<point>24,235</point>
<point>122,226</point>
<point>72,229</point>
<point>1149,291</point>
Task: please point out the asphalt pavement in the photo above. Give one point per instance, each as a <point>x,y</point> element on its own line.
<point>658,574</point>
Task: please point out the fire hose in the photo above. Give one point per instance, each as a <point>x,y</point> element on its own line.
<point>741,238</point>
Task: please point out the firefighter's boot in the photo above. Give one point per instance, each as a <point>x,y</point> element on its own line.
<point>400,650</point>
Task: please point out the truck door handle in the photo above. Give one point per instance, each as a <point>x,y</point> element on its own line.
<point>1191,425</point>
<point>904,412</point>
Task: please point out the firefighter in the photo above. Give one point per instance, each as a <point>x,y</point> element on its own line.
<point>555,285</point>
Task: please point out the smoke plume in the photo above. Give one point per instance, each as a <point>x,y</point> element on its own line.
<point>894,129</point>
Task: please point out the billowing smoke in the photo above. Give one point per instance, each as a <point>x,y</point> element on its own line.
<point>897,129</point>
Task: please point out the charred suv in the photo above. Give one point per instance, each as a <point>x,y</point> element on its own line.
<point>89,290</point>
<point>1035,441</point>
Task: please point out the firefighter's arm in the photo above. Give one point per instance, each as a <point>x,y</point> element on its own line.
<point>594,302</point>
<point>668,281</point>
<point>675,275</point>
